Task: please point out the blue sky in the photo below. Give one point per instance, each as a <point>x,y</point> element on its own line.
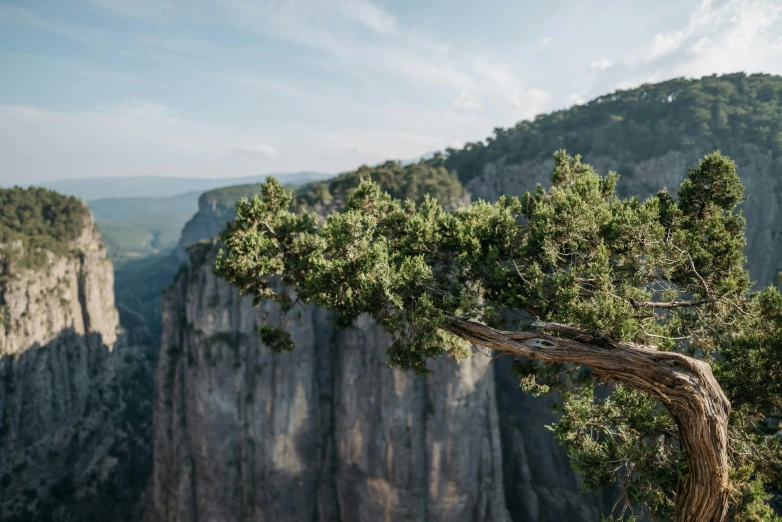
<point>224,88</point>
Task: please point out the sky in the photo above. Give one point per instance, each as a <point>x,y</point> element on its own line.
<point>227,88</point>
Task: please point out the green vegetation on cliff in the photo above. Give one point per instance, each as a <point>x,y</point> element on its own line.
<point>711,113</point>
<point>38,220</point>
<point>413,182</point>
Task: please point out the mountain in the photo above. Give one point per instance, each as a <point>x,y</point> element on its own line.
<point>134,228</point>
<point>75,390</point>
<point>650,136</point>
<point>159,186</point>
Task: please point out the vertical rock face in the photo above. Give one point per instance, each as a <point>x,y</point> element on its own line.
<point>72,444</point>
<point>326,432</point>
<point>539,483</point>
<point>74,292</point>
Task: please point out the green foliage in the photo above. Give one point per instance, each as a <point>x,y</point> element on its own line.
<point>41,221</point>
<point>275,338</point>
<point>668,271</point>
<point>715,112</point>
<point>414,182</point>
<point>627,438</point>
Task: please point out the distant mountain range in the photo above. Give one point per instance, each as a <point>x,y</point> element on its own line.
<point>157,187</point>
<point>139,217</point>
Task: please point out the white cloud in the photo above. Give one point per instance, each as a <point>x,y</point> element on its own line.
<point>369,15</point>
<point>663,44</point>
<point>501,79</point>
<point>575,98</point>
<point>531,101</point>
<point>468,101</point>
<point>719,37</point>
<point>599,65</point>
<point>264,149</point>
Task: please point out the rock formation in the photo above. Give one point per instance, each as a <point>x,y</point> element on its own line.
<point>327,432</point>
<point>74,396</point>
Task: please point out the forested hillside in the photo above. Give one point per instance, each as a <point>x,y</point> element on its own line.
<point>715,112</point>
<point>36,220</point>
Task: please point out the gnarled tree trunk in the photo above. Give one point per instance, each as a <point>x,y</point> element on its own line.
<point>686,386</point>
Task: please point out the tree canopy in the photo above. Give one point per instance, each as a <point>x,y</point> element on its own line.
<point>413,182</point>
<point>715,112</point>
<point>42,220</point>
<point>583,288</point>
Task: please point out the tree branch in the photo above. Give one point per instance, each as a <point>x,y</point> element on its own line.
<point>668,304</point>
<point>684,385</point>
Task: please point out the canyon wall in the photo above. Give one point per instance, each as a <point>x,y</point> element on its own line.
<point>75,395</point>
<point>326,432</point>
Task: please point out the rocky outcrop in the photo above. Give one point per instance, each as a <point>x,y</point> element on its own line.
<point>72,292</point>
<point>326,432</point>
<point>215,209</point>
<point>74,394</point>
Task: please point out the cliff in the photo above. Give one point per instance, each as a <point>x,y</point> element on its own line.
<point>73,418</point>
<point>215,209</point>
<point>327,432</point>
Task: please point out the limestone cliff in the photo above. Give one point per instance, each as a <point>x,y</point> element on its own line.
<point>215,209</point>
<point>327,432</point>
<point>72,414</point>
<point>328,419</point>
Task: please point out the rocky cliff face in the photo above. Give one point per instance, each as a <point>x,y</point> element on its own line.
<point>215,209</point>
<point>72,412</point>
<point>327,432</point>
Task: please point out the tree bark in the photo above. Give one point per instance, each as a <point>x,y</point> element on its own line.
<point>686,386</point>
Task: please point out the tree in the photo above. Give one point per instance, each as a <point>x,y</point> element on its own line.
<point>648,298</point>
